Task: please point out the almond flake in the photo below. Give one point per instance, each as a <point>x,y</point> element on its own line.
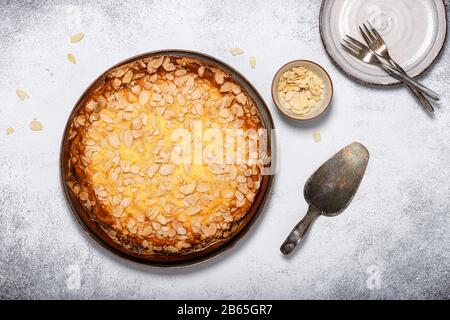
<point>77,37</point>
<point>193,210</point>
<point>166,169</point>
<point>152,170</point>
<point>113,140</point>
<point>117,212</point>
<point>127,76</point>
<point>128,138</point>
<point>188,188</point>
<point>203,187</point>
<point>105,117</point>
<point>316,136</point>
<point>36,125</point>
<point>236,51</point>
<point>22,94</point>
<point>9,131</point>
<point>252,61</point>
<point>71,58</point>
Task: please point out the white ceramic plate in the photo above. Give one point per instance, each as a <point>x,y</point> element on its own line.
<point>414,31</point>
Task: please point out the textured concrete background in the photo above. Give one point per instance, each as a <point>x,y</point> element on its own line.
<point>392,242</point>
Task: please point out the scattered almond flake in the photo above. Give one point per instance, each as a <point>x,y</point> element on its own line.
<point>236,51</point>
<point>77,37</point>
<point>22,94</point>
<point>71,58</point>
<point>35,125</point>
<point>316,136</point>
<point>252,61</point>
<point>9,131</point>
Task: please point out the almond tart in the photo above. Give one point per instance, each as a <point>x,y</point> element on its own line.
<point>129,172</point>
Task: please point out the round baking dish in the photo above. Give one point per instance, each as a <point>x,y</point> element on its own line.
<point>93,228</point>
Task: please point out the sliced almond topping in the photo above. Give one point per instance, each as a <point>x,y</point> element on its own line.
<point>239,195</point>
<point>125,202</point>
<point>214,168</point>
<point>241,98</point>
<point>180,73</point>
<point>203,187</point>
<point>117,212</point>
<point>224,113</point>
<point>161,219</point>
<point>152,170</point>
<point>128,138</point>
<point>188,188</point>
<point>240,203</point>
<point>198,107</point>
<point>170,208</point>
<point>156,63</point>
<point>113,140</point>
<point>81,120</point>
<point>166,169</point>
<point>131,226</point>
<point>105,117</point>
<point>193,210</point>
<point>90,106</point>
<point>125,166</point>
<point>169,67</point>
<point>116,199</point>
<point>127,77</point>
<point>219,77</point>
<point>156,97</point>
<point>201,71</point>
<point>227,193</point>
<point>210,230</point>
<point>226,87</point>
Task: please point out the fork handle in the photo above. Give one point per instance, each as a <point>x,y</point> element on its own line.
<point>419,95</point>
<point>410,81</point>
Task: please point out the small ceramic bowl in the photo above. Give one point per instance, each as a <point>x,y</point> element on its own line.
<point>325,99</point>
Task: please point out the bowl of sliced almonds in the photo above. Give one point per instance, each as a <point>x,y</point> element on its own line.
<point>302,90</point>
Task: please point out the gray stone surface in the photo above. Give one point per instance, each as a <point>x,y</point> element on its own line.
<point>392,242</point>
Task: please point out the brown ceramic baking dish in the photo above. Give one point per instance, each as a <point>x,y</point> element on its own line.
<point>93,228</point>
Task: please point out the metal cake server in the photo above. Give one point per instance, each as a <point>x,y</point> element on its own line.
<point>330,189</point>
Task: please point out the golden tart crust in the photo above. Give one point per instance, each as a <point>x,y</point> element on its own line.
<point>122,166</point>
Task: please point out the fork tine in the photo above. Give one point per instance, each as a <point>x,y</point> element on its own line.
<point>374,31</point>
<point>357,43</point>
<point>352,46</point>
<point>369,34</point>
<point>365,36</point>
<point>350,50</point>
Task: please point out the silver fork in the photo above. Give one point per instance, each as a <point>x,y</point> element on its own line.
<point>363,53</point>
<point>379,47</point>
